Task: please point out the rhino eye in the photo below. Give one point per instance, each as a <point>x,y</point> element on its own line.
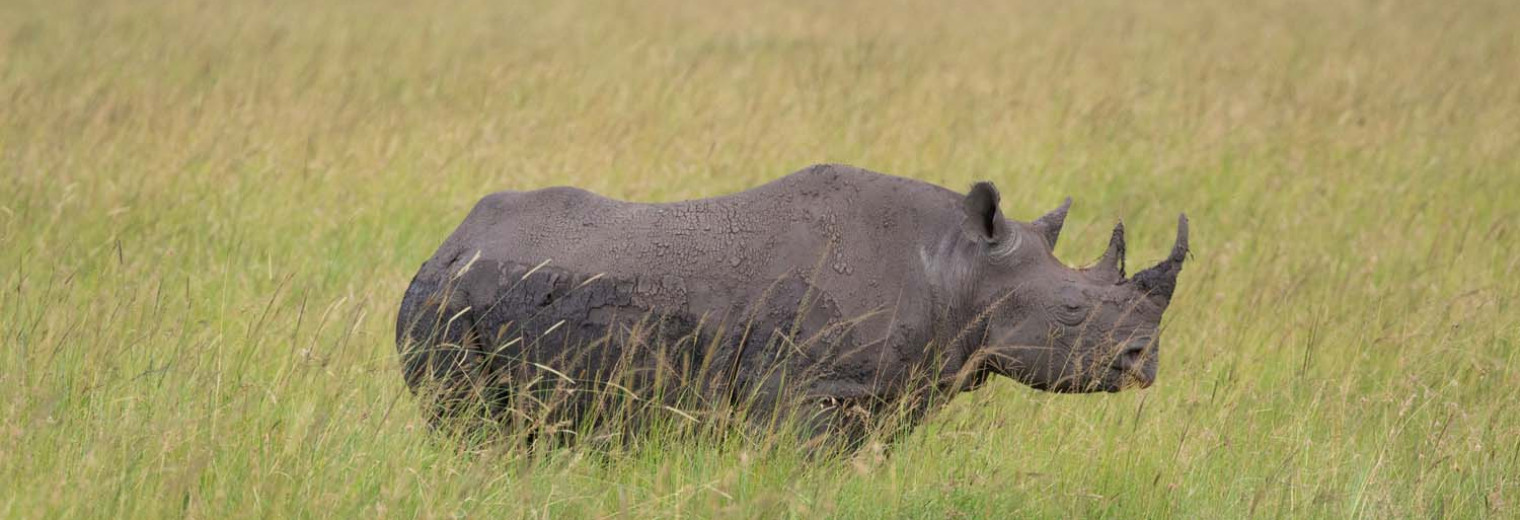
<point>1069,313</point>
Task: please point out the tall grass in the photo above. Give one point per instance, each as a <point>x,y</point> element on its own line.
<point>209,212</point>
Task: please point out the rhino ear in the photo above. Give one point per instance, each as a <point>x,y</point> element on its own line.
<point>984,222</point>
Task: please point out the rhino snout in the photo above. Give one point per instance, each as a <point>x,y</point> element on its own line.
<point>1136,361</point>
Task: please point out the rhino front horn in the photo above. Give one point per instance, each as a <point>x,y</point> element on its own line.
<point>1049,225</point>
<point>1161,279</point>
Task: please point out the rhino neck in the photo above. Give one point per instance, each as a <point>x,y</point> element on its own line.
<point>951,269</point>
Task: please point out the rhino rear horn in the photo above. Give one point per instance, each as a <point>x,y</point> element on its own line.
<point>1050,224</point>
<point>1112,262</point>
<point>1161,280</point>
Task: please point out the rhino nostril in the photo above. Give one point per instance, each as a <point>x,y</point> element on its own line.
<point>1132,355</point>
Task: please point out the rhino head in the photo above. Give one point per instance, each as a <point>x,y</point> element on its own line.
<point>1054,327</point>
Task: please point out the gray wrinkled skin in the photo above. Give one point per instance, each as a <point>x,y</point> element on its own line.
<point>847,293</point>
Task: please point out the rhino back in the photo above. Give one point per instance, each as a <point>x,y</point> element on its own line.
<point>852,232</point>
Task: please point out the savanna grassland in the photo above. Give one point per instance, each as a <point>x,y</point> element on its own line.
<point>209,212</point>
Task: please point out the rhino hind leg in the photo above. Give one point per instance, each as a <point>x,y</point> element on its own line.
<point>441,358</point>
<point>536,356</point>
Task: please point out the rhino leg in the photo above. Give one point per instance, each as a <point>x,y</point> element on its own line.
<point>836,425</point>
<point>438,344</point>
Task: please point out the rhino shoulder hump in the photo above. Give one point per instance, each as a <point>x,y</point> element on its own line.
<point>827,171</point>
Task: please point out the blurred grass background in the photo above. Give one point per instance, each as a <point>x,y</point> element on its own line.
<point>209,211</point>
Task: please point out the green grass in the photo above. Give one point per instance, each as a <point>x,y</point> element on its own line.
<point>209,211</point>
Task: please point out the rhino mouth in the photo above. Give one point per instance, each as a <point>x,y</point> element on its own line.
<point>1136,379</point>
<point>1116,377</point>
<point>1132,366</point>
<point>1111,380</point>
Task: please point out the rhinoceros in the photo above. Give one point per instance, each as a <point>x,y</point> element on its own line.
<point>834,292</point>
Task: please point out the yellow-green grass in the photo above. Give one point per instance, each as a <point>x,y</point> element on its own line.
<point>209,212</point>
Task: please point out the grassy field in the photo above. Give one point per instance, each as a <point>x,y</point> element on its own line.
<point>209,212</point>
